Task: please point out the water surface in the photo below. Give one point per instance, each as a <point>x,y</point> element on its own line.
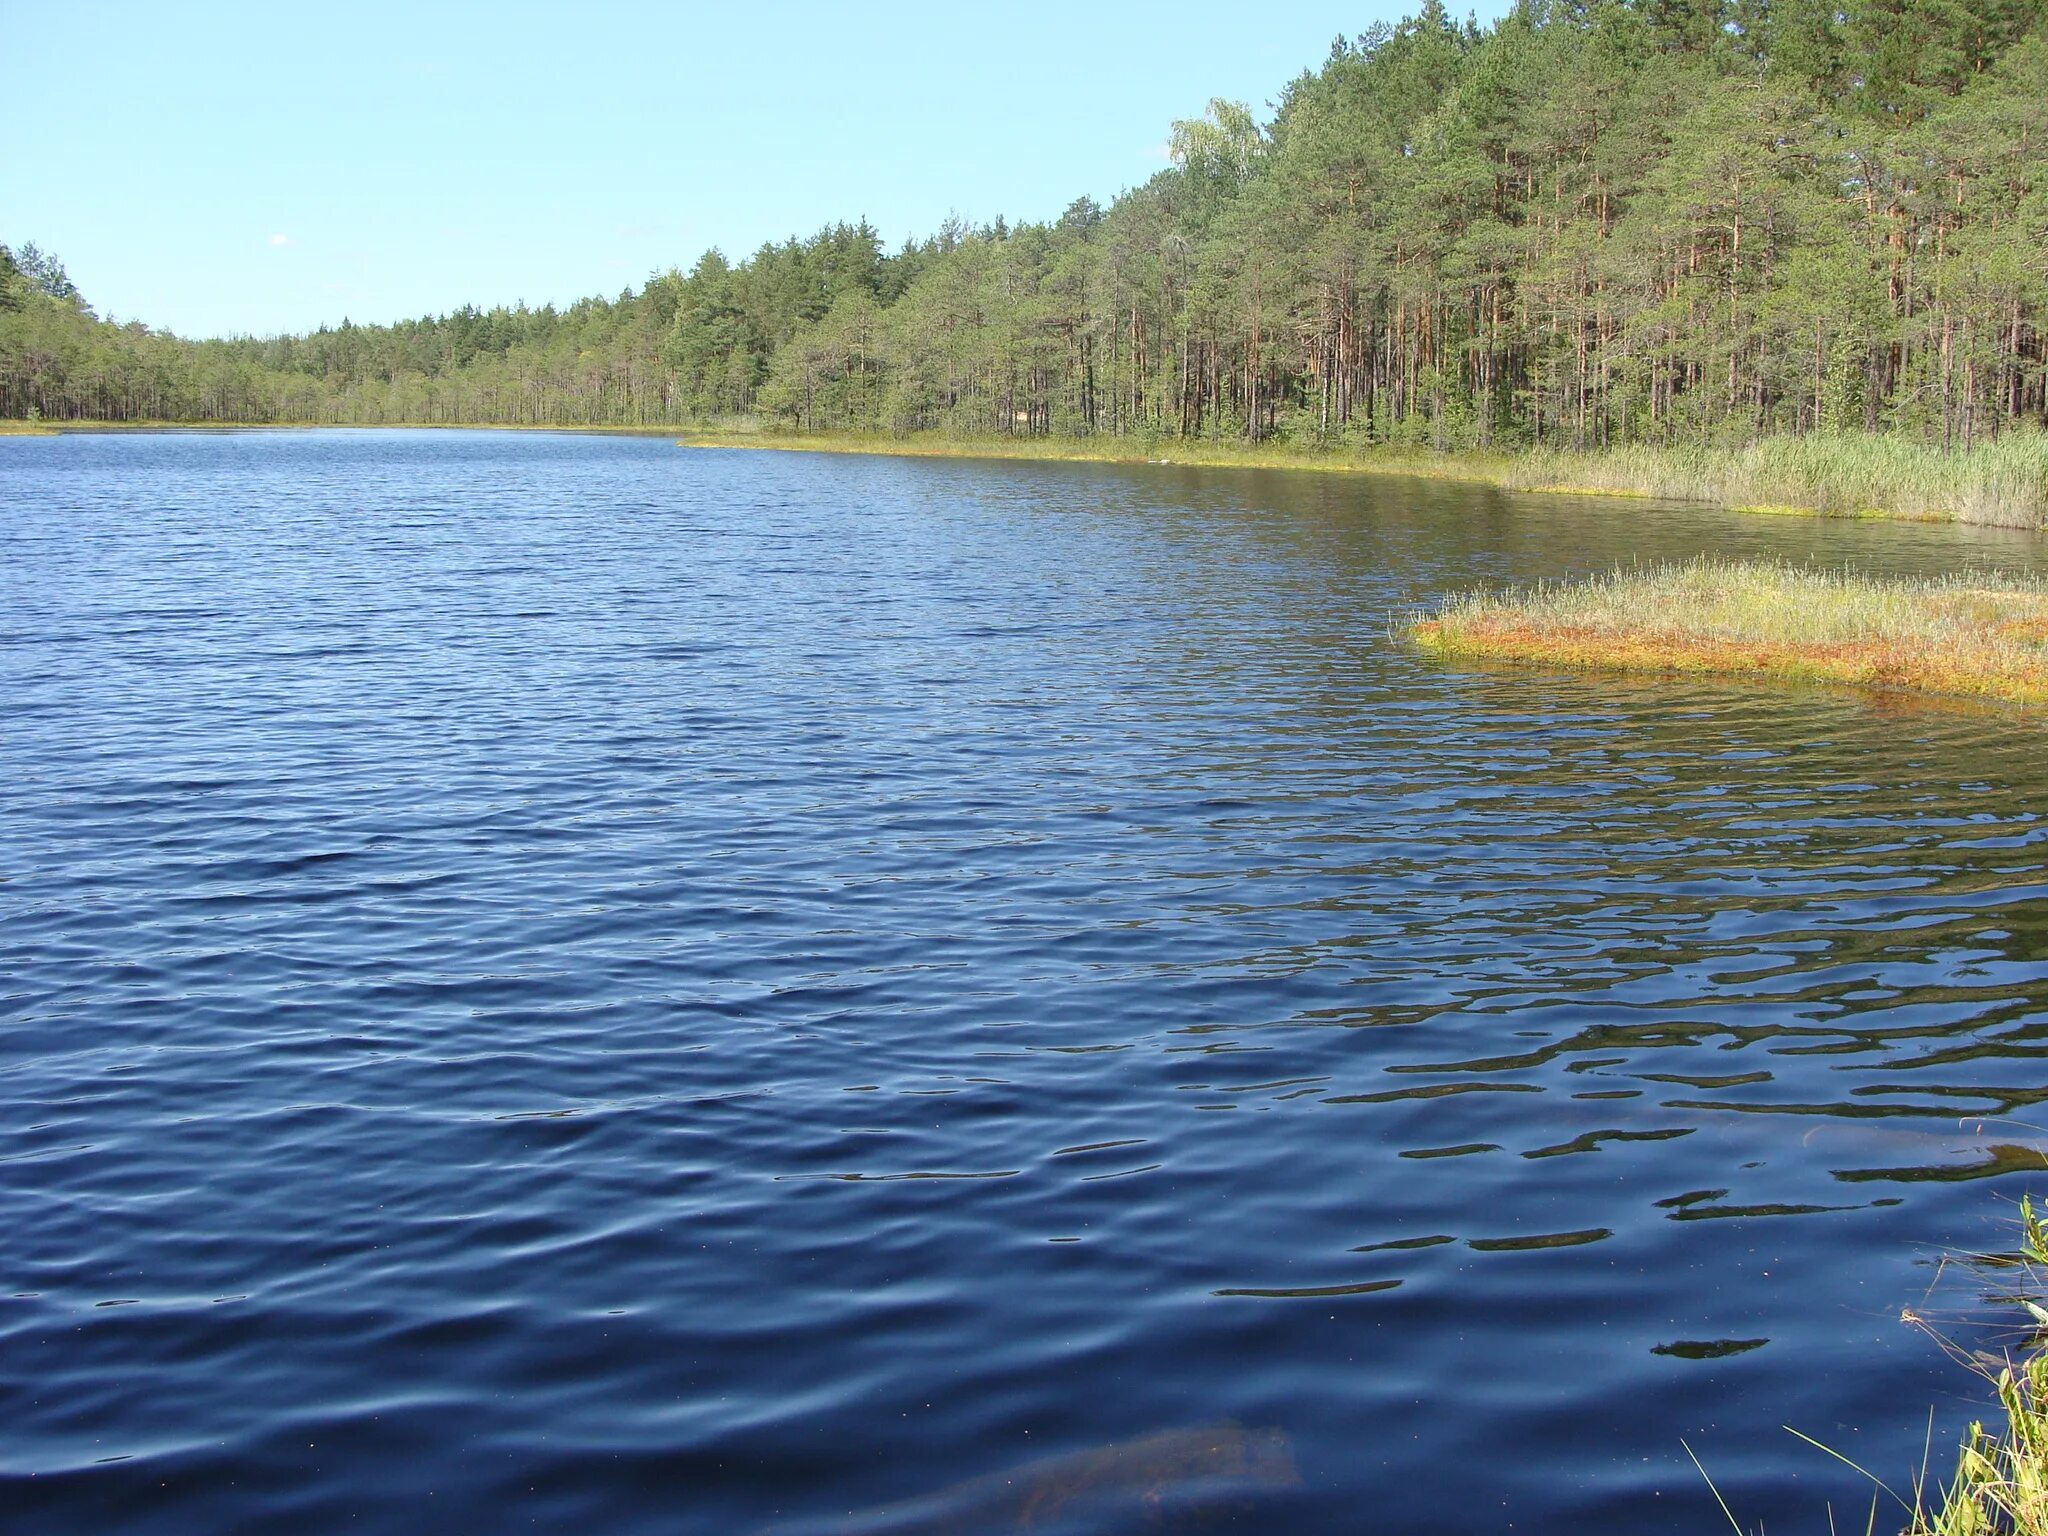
<point>562,982</point>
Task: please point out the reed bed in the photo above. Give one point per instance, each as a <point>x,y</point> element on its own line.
<point>1229,453</point>
<point>1972,636</point>
<point>2002,483</point>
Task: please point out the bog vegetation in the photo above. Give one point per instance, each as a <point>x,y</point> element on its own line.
<point>1598,223</point>
<point>1982,636</point>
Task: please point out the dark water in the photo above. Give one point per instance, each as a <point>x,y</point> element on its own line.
<point>565,983</point>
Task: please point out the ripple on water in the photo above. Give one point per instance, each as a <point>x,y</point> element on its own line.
<point>562,980</point>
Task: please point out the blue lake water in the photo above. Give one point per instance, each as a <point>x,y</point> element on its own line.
<point>567,983</point>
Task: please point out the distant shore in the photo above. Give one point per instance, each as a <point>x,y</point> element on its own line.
<point>49,428</point>
<point>2003,483</point>
<point>1981,636</point>
<point>1998,484</point>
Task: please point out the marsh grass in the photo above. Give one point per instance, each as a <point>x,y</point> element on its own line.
<point>1194,452</point>
<point>2000,1486</point>
<point>2000,1483</point>
<point>2004,482</point>
<point>1979,636</point>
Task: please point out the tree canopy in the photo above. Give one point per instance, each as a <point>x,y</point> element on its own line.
<point>1597,221</point>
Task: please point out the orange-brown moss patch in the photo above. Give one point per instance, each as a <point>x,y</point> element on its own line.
<point>1885,664</point>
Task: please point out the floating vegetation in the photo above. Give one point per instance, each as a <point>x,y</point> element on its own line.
<point>2003,482</point>
<point>1434,1240</point>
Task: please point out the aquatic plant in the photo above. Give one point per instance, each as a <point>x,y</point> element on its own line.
<point>1970,635</point>
<point>2000,1487</point>
<point>2003,482</point>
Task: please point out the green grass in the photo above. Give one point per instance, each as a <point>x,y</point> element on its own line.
<point>2001,1478</point>
<point>2000,1483</point>
<point>1974,636</point>
<point>2004,483</point>
<point>2000,1486</point>
<point>1227,454</point>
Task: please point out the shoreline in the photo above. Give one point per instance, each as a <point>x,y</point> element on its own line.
<point>1409,463</point>
<point>2002,484</point>
<point>49,428</point>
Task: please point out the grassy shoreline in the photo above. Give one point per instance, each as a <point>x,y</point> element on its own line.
<point>1982,637</point>
<point>1999,484</point>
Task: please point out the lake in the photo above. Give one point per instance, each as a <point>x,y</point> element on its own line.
<point>564,982</point>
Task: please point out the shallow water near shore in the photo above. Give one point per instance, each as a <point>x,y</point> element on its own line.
<point>562,981</point>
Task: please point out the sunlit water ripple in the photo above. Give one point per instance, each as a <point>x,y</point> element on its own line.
<point>567,982</point>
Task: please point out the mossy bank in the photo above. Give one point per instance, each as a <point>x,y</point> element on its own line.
<point>1978,636</point>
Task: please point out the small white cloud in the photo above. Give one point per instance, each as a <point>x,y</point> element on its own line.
<point>280,239</point>
<point>1160,151</point>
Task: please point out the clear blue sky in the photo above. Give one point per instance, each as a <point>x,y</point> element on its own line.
<point>254,168</point>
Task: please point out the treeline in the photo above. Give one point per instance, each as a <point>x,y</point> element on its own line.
<point>1623,221</point>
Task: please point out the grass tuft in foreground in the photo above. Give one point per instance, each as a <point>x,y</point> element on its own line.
<point>1973,636</point>
<point>2001,1482</point>
<point>2000,1486</point>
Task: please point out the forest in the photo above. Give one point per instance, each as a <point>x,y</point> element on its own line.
<point>1619,221</point>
